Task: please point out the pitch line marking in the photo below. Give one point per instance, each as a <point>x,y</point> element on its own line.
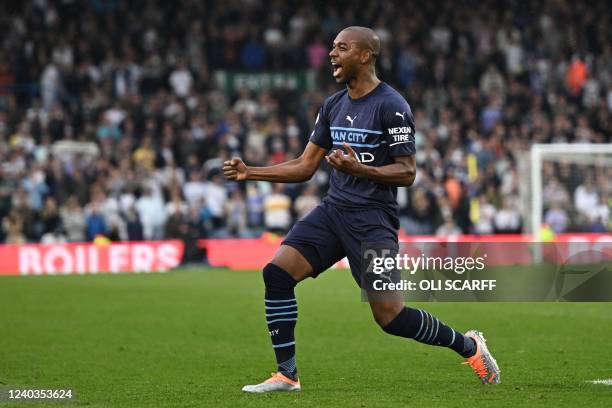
<point>607,381</point>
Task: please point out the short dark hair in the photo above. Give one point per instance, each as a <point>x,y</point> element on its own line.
<point>367,38</point>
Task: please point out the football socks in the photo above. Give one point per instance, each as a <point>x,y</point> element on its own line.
<point>423,327</point>
<point>281,316</point>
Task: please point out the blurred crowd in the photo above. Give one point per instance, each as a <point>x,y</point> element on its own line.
<point>111,122</point>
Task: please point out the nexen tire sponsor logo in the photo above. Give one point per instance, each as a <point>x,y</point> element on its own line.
<point>402,134</point>
<point>398,130</point>
<point>402,138</point>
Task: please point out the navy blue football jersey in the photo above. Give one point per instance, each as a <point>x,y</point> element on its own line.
<point>378,126</point>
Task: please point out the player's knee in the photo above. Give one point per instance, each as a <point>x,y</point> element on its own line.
<point>276,278</point>
<point>385,312</point>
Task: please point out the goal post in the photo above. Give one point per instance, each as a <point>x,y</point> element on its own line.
<point>582,155</point>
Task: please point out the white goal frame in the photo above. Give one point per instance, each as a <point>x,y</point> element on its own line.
<point>540,152</point>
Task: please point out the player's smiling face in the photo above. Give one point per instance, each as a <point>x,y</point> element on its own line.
<point>345,57</point>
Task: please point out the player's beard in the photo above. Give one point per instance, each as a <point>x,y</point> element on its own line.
<point>347,76</point>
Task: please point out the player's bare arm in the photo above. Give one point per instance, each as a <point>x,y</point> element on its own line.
<point>400,173</point>
<point>292,171</point>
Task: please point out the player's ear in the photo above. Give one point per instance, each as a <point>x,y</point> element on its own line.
<point>365,56</point>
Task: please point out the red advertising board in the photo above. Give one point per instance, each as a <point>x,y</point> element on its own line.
<point>81,258</point>
<point>256,253</point>
<point>157,256</point>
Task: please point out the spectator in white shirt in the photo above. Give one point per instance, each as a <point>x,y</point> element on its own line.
<point>277,213</point>
<point>195,189</point>
<point>600,216</point>
<point>176,204</point>
<point>486,215</point>
<point>586,198</point>
<point>216,197</point>
<point>181,80</point>
<point>508,218</point>
<point>152,216</point>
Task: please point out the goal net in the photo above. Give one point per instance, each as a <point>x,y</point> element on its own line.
<point>570,189</point>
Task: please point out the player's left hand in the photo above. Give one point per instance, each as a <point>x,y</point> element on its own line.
<point>347,163</point>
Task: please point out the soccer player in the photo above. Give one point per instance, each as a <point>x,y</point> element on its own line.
<point>374,125</point>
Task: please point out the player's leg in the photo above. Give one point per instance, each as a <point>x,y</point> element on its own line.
<point>395,318</point>
<point>388,307</point>
<point>281,275</point>
<point>309,248</point>
<point>399,320</point>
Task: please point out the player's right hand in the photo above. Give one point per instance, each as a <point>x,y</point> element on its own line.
<point>235,169</point>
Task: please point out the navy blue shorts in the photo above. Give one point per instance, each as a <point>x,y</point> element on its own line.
<point>329,233</point>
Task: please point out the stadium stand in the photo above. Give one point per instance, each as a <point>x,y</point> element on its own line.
<point>115,116</point>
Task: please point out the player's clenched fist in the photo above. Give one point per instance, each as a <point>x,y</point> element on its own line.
<point>235,169</point>
<point>348,163</point>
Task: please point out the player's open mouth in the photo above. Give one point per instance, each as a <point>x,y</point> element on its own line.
<point>337,69</point>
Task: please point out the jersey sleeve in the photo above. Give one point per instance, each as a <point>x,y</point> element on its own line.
<point>321,135</point>
<point>398,128</point>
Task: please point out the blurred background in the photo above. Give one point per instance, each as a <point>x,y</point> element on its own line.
<point>116,116</point>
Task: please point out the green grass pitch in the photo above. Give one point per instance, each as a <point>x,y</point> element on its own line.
<point>194,337</point>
